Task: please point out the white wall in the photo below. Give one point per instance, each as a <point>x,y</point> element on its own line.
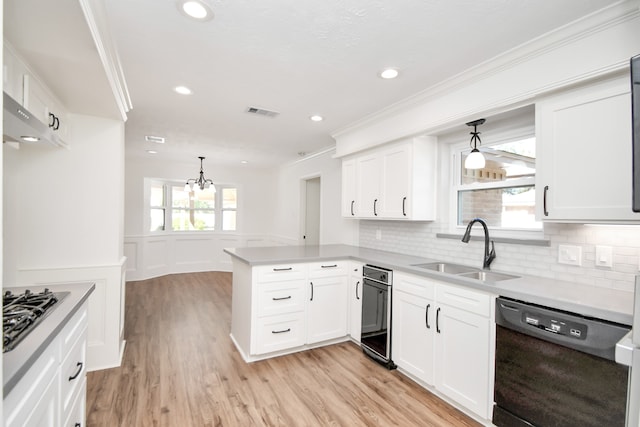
<point>63,222</point>
<point>333,227</point>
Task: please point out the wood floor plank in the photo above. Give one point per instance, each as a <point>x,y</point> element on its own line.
<point>181,369</point>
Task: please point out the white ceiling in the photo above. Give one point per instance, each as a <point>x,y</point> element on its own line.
<point>296,57</point>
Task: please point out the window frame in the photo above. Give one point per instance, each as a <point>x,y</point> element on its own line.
<point>168,208</point>
<point>457,150</point>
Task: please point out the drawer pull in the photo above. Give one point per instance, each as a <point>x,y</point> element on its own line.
<point>283,269</point>
<point>73,377</point>
<point>281,298</point>
<point>282,331</point>
<point>329,266</point>
<point>77,425</point>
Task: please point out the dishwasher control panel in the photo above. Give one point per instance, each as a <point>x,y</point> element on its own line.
<point>554,324</point>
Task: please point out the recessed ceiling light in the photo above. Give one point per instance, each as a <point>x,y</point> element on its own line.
<point>152,152</point>
<point>316,118</point>
<point>183,90</point>
<point>27,138</point>
<point>196,9</point>
<point>389,73</point>
<point>244,162</point>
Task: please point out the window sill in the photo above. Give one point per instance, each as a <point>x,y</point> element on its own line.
<point>509,240</point>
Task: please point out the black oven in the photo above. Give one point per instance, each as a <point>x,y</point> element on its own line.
<point>376,314</point>
<point>555,368</point>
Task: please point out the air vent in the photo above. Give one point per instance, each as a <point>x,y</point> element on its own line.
<point>262,112</point>
<point>156,139</point>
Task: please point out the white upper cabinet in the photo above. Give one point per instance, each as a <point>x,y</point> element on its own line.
<point>349,188</point>
<point>22,85</point>
<point>368,195</point>
<point>584,149</point>
<point>395,181</point>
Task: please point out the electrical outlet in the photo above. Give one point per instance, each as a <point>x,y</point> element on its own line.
<point>604,256</point>
<point>571,255</point>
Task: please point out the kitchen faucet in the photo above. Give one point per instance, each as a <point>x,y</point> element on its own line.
<point>488,256</point>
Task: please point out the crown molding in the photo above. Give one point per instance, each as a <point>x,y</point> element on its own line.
<point>581,28</point>
<point>95,16</point>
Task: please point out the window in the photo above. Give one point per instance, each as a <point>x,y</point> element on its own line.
<point>212,209</point>
<point>503,192</point>
<point>157,206</point>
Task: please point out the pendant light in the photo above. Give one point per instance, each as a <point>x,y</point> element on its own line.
<point>200,182</point>
<point>475,159</point>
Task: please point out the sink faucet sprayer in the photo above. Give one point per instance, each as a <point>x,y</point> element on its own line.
<point>488,256</point>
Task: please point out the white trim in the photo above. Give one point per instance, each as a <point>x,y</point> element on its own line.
<point>108,56</point>
<point>593,23</point>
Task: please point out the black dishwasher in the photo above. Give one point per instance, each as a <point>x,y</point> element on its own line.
<point>555,368</point>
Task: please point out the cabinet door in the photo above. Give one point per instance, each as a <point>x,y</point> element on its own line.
<point>584,170</point>
<point>355,302</point>
<point>12,78</point>
<point>36,99</point>
<point>412,335</point>
<point>43,411</point>
<point>349,188</point>
<point>368,173</point>
<point>327,308</point>
<point>463,358</point>
<point>396,182</point>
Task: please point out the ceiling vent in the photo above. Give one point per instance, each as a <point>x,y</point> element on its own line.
<point>262,112</point>
<point>156,139</point>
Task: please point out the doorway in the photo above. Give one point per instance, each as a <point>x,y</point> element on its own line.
<point>311,214</point>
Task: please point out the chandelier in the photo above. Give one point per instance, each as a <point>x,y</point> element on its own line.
<point>201,182</point>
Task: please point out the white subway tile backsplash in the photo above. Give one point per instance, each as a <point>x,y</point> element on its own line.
<point>419,238</point>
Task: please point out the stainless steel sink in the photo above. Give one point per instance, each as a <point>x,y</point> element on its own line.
<point>489,276</point>
<point>444,267</point>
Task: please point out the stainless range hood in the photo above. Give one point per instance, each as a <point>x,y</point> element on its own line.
<point>19,125</point>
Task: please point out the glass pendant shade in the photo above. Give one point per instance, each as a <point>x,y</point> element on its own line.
<point>475,160</point>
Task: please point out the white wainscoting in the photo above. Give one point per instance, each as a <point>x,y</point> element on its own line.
<point>157,255</point>
<point>106,343</point>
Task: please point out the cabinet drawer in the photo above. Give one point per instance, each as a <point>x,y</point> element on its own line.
<point>328,268</point>
<point>279,333</point>
<point>77,414</point>
<point>72,330</point>
<point>414,285</point>
<point>464,299</point>
<point>277,273</point>
<point>72,373</point>
<point>281,298</point>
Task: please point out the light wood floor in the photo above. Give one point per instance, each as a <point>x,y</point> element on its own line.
<point>181,369</point>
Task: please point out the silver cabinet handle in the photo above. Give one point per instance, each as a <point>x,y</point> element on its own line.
<point>544,200</point>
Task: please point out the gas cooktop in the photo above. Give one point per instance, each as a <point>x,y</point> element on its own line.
<point>23,312</point>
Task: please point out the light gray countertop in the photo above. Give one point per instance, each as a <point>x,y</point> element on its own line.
<point>16,362</point>
<point>591,301</point>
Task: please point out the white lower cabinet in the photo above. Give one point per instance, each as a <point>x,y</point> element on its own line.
<point>413,326</point>
<point>327,308</point>
<point>355,301</point>
<point>442,335</point>
<point>53,391</point>
<point>298,304</point>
